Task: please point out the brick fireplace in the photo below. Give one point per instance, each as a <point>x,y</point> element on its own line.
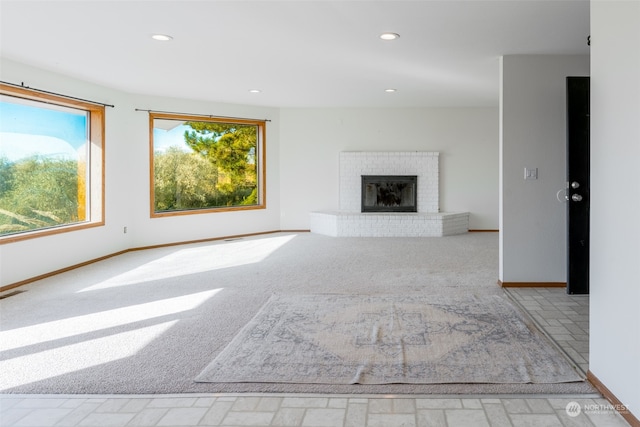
<point>350,220</point>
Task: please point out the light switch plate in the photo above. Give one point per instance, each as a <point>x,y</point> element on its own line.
<point>530,173</point>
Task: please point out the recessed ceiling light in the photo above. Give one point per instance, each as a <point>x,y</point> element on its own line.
<point>162,37</point>
<point>254,90</point>
<point>389,36</point>
<point>391,90</point>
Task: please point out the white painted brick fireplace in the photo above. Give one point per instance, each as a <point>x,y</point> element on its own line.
<point>427,221</point>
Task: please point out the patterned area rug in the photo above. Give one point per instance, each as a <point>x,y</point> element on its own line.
<point>345,339</point>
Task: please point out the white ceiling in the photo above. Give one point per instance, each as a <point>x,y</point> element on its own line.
<point>299,53</point>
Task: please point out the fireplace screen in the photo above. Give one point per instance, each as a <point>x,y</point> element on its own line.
<point>386,193</point>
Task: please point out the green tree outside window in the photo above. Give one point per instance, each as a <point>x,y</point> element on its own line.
<point>201,165</point>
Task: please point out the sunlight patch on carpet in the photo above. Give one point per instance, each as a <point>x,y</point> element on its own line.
<point>78,356</point>
<point>195,260</point>
<point>45,333</point>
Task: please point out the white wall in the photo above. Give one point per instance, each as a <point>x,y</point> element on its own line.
<point>127,183</point>
<point>533,135</point>
<point>302,172</point>
<point>467,139</point>
<point>615,199</point>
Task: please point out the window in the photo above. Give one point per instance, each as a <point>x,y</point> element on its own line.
<point>206,164</point>
<point>51,164</point>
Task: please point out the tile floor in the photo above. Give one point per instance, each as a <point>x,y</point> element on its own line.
<point>564,318</point>
<point>310,411</point>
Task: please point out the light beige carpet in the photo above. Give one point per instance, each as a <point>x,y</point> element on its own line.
<point>150,321</point>
<point>389,339</point>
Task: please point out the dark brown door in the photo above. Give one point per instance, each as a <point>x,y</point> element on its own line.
<point>578,185</point>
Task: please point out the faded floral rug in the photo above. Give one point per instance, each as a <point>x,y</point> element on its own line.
<point>356,339</point>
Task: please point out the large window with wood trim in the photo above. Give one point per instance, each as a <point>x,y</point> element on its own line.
<point>205,164</point>
<point>51,164</point>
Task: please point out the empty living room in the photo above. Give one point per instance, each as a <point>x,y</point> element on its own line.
<point>319,213</point>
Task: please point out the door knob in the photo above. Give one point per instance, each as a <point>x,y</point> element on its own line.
<point>575,184</point>
<point>576,197</point>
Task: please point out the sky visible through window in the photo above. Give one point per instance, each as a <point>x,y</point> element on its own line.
<point>163,139</point>
<point>27,130</point>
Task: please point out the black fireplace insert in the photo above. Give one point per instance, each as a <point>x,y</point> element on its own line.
<point>389,193</point>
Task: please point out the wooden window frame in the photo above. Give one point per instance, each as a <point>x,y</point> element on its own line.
<point>260,163</point>
<point>96,193</point>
